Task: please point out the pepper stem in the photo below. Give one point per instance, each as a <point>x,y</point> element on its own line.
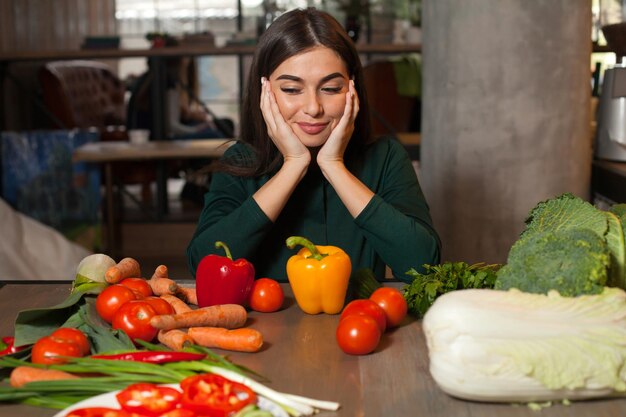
<point>293,241</point>
<point>222,245</point>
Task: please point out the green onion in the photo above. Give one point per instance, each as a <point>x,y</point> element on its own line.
<point>117,375</point>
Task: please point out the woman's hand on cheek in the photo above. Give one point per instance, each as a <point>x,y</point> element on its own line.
<point>337,142</point>
<point>279,131</point>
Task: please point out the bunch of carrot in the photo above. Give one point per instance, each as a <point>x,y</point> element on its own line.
<point>218,326</point>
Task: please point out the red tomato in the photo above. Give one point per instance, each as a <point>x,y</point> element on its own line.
<point>358,334</point>
<point>111,299</point>
<point>266,295</point>
<point>70,334</point>
<point>215,396</point>
<point>134,319</point>
<point>46,350</point>
<point>368,308</point>
<point>139,285</point>
<point>148,399</point>
<point>394,304</point>
<point>160,305</point>
<point>97,412</point>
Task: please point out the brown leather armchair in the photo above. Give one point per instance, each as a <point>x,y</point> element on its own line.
<point>87,94</point>
<point>83,94</point>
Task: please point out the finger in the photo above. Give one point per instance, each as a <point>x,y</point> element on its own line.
<point>356,103</point>
<point>273,106</point>
<point>347,112</point>
<point>266,107</point>
<point>280,124</point>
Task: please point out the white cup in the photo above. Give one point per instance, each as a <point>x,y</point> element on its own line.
<point>138,136</point>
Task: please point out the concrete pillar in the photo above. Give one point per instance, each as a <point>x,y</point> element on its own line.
<point>505,122</point>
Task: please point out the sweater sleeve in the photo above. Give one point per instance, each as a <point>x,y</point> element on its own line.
<point>230,215</point>
<point>396,222</point>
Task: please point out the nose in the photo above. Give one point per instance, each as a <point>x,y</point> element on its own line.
<point>312,104</point>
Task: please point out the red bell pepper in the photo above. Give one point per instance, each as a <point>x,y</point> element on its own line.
<point>222,280</point>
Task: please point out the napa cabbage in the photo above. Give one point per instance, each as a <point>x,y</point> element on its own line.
<point>512,346</point>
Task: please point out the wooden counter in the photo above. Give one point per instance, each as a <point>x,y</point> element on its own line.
<point>301,357</point>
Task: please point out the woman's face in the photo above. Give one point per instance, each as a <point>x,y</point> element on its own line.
<point>310,90</point>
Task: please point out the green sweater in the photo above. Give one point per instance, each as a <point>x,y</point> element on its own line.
<point>394,228</point>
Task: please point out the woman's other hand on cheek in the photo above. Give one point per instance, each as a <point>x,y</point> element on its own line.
<point>279,131</point>
<point>334,148</point>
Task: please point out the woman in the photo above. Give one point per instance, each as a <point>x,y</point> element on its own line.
<point>306,164</point>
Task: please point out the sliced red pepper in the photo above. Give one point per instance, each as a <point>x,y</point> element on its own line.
<point>215,396</point>
<point>179,412</point>
<point>154,356</point>
<point>98,412</point>
<point>148,399</point>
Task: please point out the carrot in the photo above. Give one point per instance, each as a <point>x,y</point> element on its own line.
<point>230,316</point>
<point>187,294</point>
<point>126,268</point>
<point>177,304</point>
<point>240,340</point>
<point>161,283</point>
<point>24,374</point>
<point>174,339</point>
<point>161,271</point>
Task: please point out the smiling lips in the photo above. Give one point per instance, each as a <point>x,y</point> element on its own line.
<point>312,128</point>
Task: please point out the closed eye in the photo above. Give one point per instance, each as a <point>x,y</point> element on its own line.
<point>290,90</point>
<point>332,90</point>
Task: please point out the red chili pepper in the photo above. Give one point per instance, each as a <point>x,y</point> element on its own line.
<point>215,396</point>
<point>154,356</point>
<point>220,280</point>
<point>148,399</point>
<point>10,348</point>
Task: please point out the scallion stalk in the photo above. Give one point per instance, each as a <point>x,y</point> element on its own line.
<point>119,374</point>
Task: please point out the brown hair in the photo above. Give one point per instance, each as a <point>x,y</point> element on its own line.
<point>290,34</point>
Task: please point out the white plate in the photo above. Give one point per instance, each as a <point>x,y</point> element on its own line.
<point>108,400</point>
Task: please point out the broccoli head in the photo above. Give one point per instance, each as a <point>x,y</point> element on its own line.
<point>573,261</point>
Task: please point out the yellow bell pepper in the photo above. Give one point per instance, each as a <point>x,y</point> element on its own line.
<point>318,276</point>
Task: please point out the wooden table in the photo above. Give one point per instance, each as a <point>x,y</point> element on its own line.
<point>107,153</point>
<point>301,357</point>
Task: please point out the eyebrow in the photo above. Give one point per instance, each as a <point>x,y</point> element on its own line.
<point>298,79</point>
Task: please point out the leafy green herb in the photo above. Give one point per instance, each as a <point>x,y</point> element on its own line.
<point>422,292</point>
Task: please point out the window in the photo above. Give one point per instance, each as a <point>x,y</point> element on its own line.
<point>219,80</point>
